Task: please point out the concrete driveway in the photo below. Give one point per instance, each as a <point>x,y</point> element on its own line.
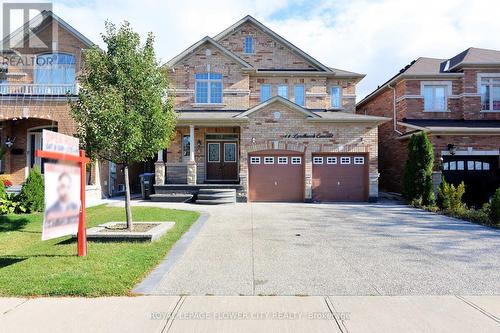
<point>330,249</point>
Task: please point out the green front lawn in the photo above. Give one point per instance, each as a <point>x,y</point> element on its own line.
<point>29,266</point>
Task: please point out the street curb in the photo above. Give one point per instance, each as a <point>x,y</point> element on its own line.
<point>149,284</point>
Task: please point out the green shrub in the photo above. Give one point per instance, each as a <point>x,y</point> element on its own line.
<point>32,192</point>
<point>450,197</point>
<point>418,186</point>
<point>494,211</point>
<point>476,215</point>
<point>3,193</point>
<point>10,205</point>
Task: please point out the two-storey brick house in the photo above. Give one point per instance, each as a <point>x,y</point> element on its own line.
<point>256,112</point>
<point>456,102</point>
<point>40,65</point>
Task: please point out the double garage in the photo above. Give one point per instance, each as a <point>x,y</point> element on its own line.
<point>279,175</point>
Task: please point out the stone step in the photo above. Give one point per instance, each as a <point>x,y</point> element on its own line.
<point>216,201</point>
<point>171,197</point>
<point>213,196</point>
<point>217,191</point>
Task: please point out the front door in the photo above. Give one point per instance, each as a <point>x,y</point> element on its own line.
<point>222,161</point>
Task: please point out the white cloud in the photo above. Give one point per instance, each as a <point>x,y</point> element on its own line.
<point>373,37</point>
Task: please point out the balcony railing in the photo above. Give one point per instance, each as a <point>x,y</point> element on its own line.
<point>38,89</point>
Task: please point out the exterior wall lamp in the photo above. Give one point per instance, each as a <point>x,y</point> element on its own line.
<point>452,149</point>
<point>9,142</point>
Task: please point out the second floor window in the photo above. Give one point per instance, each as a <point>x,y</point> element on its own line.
<point>283,91</point>
<point>299,95</point>
<point>208,88</point>
<point>490,94</point>
<point>435,98</point>
<point>265,92</point>
<point>248,45</point>
<point>335,93</point>
<point>55,69</point>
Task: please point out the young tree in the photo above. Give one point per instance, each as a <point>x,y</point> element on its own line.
<point>122,111</point>
<point>418,184</point>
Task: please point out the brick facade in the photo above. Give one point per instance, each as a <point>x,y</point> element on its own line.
<point>273,63</point>
<point>24,109</point>
<point>463,103</point>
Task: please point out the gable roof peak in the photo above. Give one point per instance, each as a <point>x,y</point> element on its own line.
<point>273,34</point>
<point>207,39</point>
<point>280,100</point>
<point>40,18</point>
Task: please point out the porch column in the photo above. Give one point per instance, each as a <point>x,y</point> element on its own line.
<point>191,165</point>
<point>160,169</point>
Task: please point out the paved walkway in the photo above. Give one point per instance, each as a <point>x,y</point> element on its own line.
<point>331,249</point>
<point>252,314</point>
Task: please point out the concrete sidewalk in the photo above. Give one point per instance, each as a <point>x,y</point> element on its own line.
<point>252,314</point>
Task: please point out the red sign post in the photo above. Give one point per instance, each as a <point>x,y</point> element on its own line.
<point>82,160</point>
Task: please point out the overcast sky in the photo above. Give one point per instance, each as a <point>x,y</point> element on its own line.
<point>376,38</point>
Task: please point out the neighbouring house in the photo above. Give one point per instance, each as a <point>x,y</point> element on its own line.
<point>456,102</point>
<point>40,65</point>
<point>258,115</point>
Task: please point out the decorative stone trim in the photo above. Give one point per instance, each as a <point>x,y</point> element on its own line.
<point>191,173</point>
<point>159,173</point>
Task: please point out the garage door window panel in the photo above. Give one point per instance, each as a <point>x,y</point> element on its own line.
<point>317,160</point>
<point>254,160</point>
<point>331,160</point>
<point>296,160</point>
<point>282,160</point>
<point>268,160</point>
<point>345,160</point>
<point>359,160</point>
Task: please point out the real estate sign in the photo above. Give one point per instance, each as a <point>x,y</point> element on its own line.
<point>62,188</point>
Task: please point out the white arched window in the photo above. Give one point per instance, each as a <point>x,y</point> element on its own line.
<point>55,73</point>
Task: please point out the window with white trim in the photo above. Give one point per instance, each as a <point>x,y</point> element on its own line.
<point>335,95</point>
<point>268,160</point>
<point>265,92</point>
<point>318,160</point>
<point>299,94</point>
<point>248,44</point>
<point>331,160</point>
<point>282,160</point>
<point>435,98</point>
<point>208,88</point>
<point>255,160</point>
<point>345,160</point>
<point>296,160</point>
<point>283,91</point>
<point>490,94</point>
<point>359,160</point>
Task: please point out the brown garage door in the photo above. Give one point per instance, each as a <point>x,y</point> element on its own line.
<point>276,175</point>
<point>340,177</point>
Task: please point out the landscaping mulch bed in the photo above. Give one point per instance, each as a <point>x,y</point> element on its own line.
<point>122,227</point>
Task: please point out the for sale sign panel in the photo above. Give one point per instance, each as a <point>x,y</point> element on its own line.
<point>62,200</point>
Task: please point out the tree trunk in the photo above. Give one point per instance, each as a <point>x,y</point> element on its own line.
<point>128,211</point>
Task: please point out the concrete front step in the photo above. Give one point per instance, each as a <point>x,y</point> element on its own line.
<point>216,201</point>
<point>171,197</point>
<point>217,191</point>
<point>214,196</point>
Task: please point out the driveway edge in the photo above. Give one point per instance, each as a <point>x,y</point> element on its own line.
<point>149,284</point>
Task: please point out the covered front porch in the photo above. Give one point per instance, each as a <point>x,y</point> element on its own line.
<point>200,157</point>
